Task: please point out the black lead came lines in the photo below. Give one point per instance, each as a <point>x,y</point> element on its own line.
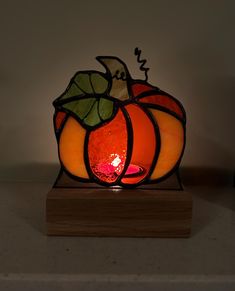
<point>142,62</point>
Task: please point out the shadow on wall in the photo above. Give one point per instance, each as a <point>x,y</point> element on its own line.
<point>206,176</point>
<point>213,164</point>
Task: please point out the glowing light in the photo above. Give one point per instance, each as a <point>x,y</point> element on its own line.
<point>116,161</point>
<point>114,167</point>
<point>133,170</point>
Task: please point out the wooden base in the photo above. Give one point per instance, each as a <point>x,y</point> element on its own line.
<point>118,212</point>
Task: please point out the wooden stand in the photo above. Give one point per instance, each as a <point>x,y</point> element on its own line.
<point>80,209</point>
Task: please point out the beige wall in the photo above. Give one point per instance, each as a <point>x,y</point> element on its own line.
<point>190,47</point>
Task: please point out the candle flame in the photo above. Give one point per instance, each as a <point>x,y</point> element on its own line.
<point>116,161</point>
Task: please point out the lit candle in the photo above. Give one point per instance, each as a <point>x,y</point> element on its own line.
<point>116,167</point>
<point>134,170</point>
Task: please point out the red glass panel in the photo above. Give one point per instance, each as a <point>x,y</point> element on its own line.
<point>164,101</point>
<point>139,88</point>
<point>60,116</point>
<point>144,144</point>
<point>107,149</point>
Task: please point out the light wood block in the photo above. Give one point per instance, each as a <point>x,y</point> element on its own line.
<point>118,212</point>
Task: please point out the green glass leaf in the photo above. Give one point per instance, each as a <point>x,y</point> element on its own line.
<point>99,83</point>
<point>80,107</point>
<point>90,108</point>
<point>105,108</point>
<point>73,90</point>
<point>84,83</point>
<point>93,118</point>
<point>91,111</point>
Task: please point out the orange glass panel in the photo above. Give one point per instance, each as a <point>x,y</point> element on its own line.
<point>172,142</point>
<point>71,148</point>
<point>107,148</point>
<point>164,101</point>
<point>144,143</point>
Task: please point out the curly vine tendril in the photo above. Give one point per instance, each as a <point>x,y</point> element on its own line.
<point>142,62</point>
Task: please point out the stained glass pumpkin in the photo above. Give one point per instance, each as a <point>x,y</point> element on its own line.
<point>114,130</point>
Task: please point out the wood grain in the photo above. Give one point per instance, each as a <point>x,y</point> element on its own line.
<point>118,212</point>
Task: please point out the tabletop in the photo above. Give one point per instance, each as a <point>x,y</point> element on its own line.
<point>30,260</point>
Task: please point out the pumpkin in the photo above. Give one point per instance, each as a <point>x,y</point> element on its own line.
<point>114,130</point>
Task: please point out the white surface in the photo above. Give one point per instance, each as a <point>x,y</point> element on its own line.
<point>29,260</point>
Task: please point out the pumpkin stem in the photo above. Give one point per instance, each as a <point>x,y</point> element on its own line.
<point>119,74</point>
